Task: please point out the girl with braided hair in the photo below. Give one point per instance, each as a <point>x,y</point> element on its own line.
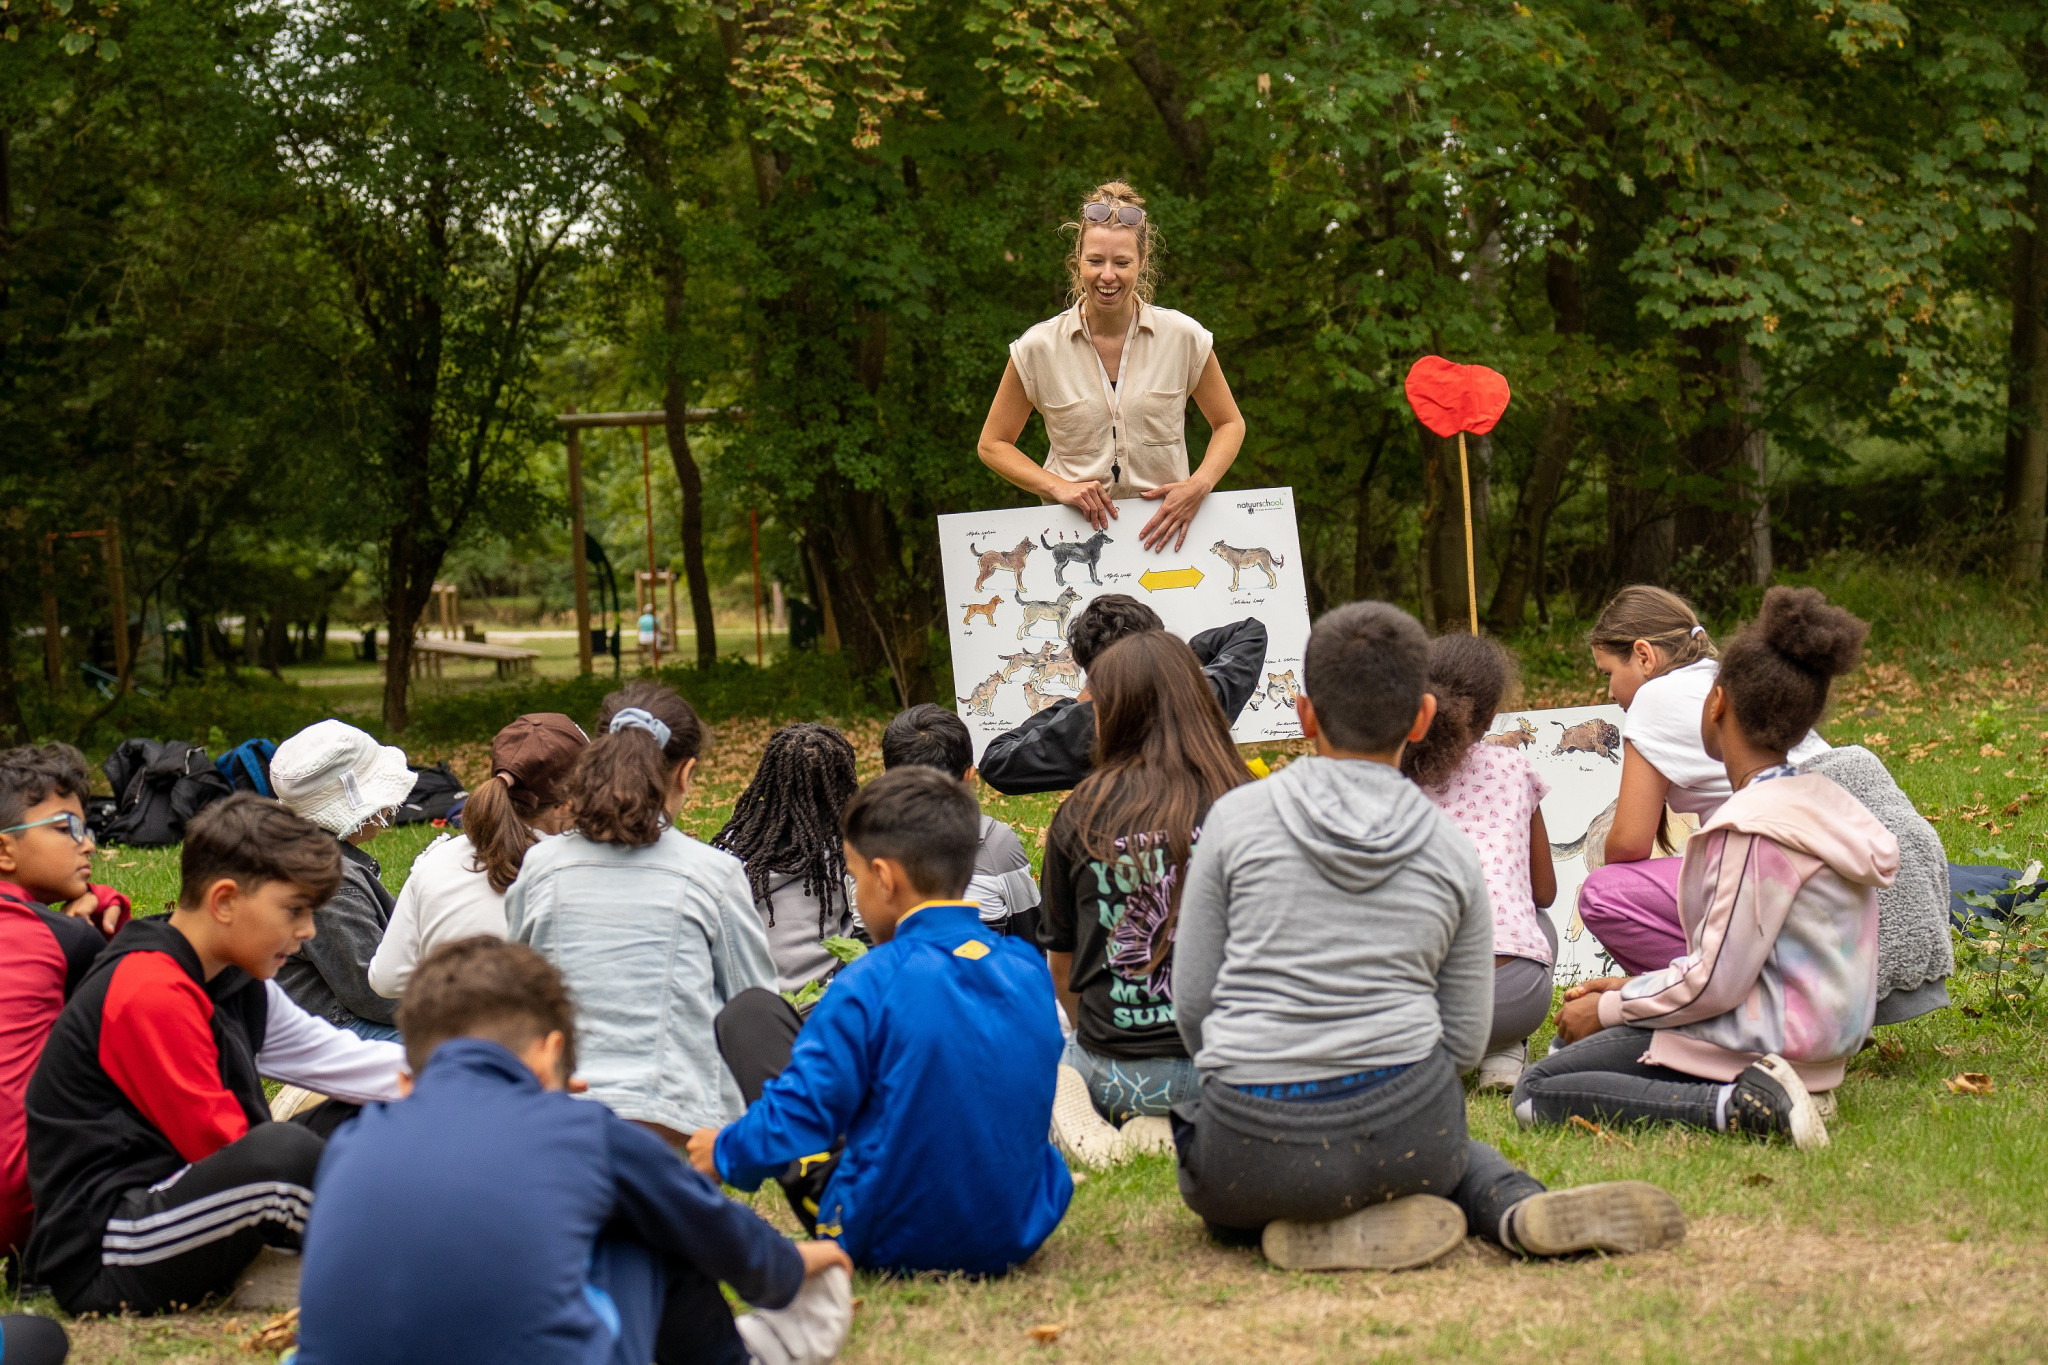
<point>785,829</point>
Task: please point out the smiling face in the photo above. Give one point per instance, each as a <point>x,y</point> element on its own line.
<point>44,860</point>
<point>1110,260</point>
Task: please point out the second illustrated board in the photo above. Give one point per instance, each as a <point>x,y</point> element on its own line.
<point>1017,576</point>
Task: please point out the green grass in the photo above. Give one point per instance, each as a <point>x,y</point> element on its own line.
<point>1921,1233</point>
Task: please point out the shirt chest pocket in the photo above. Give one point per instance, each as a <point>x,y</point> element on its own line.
<point>1075,427</point>
<point>1160,419</point>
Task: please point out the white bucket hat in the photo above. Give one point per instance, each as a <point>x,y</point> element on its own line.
<point>338,777</point>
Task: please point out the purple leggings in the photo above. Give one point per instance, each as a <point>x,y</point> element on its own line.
<point>1632,908</point>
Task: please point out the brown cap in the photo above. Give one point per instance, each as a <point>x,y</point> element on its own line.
<point>534,755</point>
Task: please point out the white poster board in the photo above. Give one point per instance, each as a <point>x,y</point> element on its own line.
<point>1015,577</point>
<point>1577,750</point>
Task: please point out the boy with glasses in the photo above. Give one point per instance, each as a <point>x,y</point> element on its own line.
<point>45,860</point>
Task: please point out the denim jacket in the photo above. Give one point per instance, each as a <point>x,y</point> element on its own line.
<point>652,942</point>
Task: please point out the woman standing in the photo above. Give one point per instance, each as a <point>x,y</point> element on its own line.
<point>1112,376</point>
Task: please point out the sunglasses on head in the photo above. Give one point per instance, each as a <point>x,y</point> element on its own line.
<point>74,825</point>
<point>1129,215</point>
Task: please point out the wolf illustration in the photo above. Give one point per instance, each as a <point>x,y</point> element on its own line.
<point>1055,611</point>
<point>984,696</point>
<point>1086,552</point>
<point>1280,688</point>
<point>987,609</point>
<point>1239,560</point>
<point>1036,699</point>
<point>996,561</point>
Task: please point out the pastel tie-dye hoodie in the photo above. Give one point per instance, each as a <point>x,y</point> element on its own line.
<point>1778,899</point>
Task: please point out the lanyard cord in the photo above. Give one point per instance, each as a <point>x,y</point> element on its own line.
<point>1113,389</point>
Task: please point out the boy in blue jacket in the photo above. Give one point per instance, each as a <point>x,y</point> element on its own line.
<point>909,1117</point>
<point>490,1218</point>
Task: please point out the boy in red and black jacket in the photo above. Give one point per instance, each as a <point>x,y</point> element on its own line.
<point>156,1169</point>
<point>45,860</point>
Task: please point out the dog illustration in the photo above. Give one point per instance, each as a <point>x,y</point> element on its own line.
<point>984,696</point>
<point>987,609</point>
<point>1036,699</point>
<point>1600,737</point>
<point>995,561</point>
<point>1279,688</point>
<point>1086,552</point>
<point>1240,560</point>
<point>1520,737</point>
<point>1013,664</point>
<point>1055,611</point>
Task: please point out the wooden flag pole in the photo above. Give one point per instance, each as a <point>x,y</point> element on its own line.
<point>1471,577</point>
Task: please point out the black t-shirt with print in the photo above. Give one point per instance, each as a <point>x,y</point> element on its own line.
<point>1111,917</point>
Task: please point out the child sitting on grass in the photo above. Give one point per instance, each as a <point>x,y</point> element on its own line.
<point>45,860</point>
<point>908,1117</point>
<point>490,1218</point>
<point>1333,974</point>
<point>652,930</point>
<point>785,828</point>
<point>1002,883</point>
<point>1778,896</point>
<point>1495,799</point>
<point>157,1171</point>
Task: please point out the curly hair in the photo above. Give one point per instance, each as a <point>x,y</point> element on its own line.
<point>1777,670</point>
<point>1468,675</point>
<point>787,820</point>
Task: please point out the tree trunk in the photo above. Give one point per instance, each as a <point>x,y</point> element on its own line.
<point>2026,432</point>
<point>675,401</point>
<point>13,725</point>
<point>1186,131</point>
<point>1717,516</point>
<point>1755,449</point>
<point>1521,568</point>
<point>1641,537</point>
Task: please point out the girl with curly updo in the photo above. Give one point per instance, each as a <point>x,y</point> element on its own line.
<point>1492,794</point>
<point>785,829</point>
<point>1778,984</point>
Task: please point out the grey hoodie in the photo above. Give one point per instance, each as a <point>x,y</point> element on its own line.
<point>1334,921</point>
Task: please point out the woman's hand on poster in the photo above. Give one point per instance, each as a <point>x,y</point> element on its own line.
<point>1178,503</point>
<point>1089,498</point>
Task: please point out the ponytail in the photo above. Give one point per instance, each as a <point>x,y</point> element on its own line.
<point>619,791</point>
<point>1662,619</point>
<point>497,833</point>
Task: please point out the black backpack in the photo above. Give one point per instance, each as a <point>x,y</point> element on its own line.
<point>158,785</point>
<point>434,791</point>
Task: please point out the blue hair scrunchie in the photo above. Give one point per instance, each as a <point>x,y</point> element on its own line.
<point>634,718</point>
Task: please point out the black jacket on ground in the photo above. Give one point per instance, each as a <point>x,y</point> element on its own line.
<point>1050,751</point>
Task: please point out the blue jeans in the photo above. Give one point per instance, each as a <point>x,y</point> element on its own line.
<point>376,1033</point>
<point>659,1309</point>
<point>1125,1089</point>
<point>1991,880</point>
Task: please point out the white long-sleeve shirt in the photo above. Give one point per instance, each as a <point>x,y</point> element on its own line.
<point>445,898</point>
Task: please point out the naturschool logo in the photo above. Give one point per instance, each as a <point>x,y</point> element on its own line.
<point>1262,505</point>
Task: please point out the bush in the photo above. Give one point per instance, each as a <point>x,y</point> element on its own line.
<point>801,685</point>
<point>215,711</point>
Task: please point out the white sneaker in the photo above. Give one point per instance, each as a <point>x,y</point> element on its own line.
<point>1498,1071</point>
<point>1146,1136</point>
<point>294,1099</point>
<point>1825,1105</point>
<point>1083,1136</point>
<point>810,1330</point>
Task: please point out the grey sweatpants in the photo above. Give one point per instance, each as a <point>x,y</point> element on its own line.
<point>1245,1161</point>
<point>1521,993</point>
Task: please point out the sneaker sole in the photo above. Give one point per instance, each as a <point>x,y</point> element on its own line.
<point>1147,1136</point>
<point>1618,1216</point>
<point>1083,1136</point>
<point>1809,1129</point>
<point>1398,1235</point>
<point>1498,1082</point>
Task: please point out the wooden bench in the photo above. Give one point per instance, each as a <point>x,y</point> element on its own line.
<point>427,655</point>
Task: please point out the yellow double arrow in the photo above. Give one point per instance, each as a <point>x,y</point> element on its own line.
<point>1152,580</point>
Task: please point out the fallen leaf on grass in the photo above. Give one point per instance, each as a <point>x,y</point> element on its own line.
<point>1890,1049</point>
<point>124,864</point>
<point>1969,1083</point>
<point>281,1333</point>
<point>1758,1178</point>
<point>1046,1333</point>
<point>1990,751</point>
<point>1579,1121</point>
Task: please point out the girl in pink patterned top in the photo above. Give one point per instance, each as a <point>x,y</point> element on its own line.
<point>1490,792</point>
